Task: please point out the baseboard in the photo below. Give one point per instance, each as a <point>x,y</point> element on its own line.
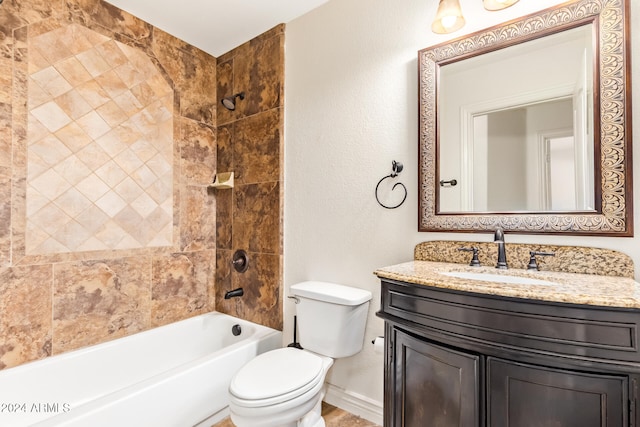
<point>215,418</point>
<point>355,403</point>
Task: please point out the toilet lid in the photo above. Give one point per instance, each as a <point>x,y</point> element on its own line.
<point>286,372</point>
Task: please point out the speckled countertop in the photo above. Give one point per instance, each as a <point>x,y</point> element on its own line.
<point>589,289</point>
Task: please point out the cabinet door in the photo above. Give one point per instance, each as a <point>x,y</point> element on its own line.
<point>522,395</point>
<point>434,386</point>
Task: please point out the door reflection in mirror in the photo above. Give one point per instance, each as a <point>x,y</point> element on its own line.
<point>528,158</point>
<point>500,116</point>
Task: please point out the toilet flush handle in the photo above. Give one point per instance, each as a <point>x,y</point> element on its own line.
<point>295,299</point>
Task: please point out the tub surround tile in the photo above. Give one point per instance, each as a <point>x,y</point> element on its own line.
<point>256,217</point>
<point>198,152</point>
<point>224,282</point>
<point>194,74</point>
<point>224,148</point>
<point>573,288</point>
<point>6,72</point>
<point>103,14</point>
<point>5,216</point>
<point>25,314</point>
<point>224,88</point>
<point>568,259</point>
<point>199,228</point>
<point>256,148</point>
<point>106,57</point>
<point>112,142</point>
<point>102,291</point>
<point>249,143</point>
<point>180,286</point>
<point>261,302</point>
<point>96,301</point>
<point>224,218</point>
<point>5,134</point>
<point>257,69</point>
<point>261,74</point>
<point>18,14</point>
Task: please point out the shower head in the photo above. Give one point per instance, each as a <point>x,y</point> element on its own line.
<point>230,101</point>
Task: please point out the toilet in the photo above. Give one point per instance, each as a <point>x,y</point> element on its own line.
<point>285,387</point>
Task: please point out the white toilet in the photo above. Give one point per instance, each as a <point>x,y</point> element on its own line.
<point>285,387</point>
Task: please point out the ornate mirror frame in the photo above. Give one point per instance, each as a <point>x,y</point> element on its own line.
<point>613,215</point>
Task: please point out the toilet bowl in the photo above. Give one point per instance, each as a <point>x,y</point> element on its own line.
<point>285,387</point>
<point>279,388</point>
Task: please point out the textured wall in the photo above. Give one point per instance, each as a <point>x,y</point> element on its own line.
<point>250,142</point>
<point>55,298</point>
<point>352,108</point>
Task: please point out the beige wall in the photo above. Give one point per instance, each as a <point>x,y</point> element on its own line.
<point>352,108</point>
<point>79,79</point>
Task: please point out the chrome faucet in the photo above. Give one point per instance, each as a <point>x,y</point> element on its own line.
<point>498,237</point>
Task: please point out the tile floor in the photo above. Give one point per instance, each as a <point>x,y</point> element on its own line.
<point>334,417</point>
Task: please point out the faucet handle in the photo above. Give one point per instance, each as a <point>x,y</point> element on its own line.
<point>475,262</point>
<point>533,265</point>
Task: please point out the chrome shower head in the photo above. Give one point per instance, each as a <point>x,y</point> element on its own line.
<point>230,101</point>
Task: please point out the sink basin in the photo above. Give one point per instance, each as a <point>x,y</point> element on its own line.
<point>488,277</point>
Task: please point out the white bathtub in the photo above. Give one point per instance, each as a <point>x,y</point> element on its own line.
<point>175,375</point>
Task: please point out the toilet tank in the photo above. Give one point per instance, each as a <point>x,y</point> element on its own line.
<point>331,317</point>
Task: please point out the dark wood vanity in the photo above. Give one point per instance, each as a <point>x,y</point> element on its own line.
<point>455,357</point>
<point>466,352</point>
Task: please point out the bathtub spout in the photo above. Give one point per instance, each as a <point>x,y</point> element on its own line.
<point>234,293</point>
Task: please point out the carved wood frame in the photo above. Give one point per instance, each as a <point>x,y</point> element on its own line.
<point>613,215</point>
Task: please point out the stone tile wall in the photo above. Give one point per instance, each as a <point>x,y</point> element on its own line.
<point>250,143</point>
<point>82,75</point>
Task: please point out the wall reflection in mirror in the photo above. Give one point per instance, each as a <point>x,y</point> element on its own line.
<point>522,139</point>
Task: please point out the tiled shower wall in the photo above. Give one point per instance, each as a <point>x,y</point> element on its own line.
<point>250,142</point>
<point>107,142</point>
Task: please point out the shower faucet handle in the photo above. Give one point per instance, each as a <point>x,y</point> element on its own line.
<point>240,261</point>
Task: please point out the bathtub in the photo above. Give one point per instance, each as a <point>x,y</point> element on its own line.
<point>175,375</point>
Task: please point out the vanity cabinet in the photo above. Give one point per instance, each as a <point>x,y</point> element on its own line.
<point>462,359</point>
<point>447,376</point>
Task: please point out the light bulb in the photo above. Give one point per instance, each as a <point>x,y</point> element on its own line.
<point>449,21</point>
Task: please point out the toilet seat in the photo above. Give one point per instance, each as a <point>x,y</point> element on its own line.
<point>276,376</point>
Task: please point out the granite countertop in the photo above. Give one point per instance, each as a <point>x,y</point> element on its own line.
<point>574,288</point>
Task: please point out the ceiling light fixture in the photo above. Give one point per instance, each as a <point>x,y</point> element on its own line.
<point>498,4</point>
<point>448,18</point>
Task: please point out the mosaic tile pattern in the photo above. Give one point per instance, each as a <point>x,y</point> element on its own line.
<point>100,145</point>
<point>83,297</point>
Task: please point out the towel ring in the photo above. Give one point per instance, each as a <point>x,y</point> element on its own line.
<point>396,168</point>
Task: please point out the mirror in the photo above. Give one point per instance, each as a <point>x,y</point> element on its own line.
<point>519,144</point>
<point>524,126</point>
